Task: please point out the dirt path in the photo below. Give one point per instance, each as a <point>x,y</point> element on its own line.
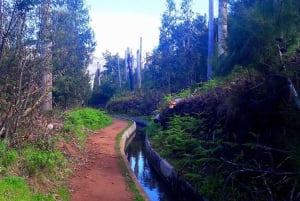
<point>100,177</point>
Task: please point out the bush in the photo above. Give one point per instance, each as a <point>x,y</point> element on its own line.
<point>36,160</point>
<point>7,157</point>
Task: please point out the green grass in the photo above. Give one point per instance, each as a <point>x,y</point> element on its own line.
<point>46,161</point>
<point>46,165</point>
<point>14,189</point>
<point>80,121</point>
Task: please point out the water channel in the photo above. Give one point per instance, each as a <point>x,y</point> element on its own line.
<point>153,185</point>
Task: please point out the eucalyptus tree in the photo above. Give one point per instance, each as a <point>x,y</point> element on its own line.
<point>46,53</point>
<point>191,45</point>
<point>210,39</point>
<point>73,44</point>
<point>182,47</point>
<point>222,27</point>
<point>113,69</point>
<point>166,45</point>
<point>183,37</point>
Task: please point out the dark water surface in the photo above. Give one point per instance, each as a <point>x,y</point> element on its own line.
<point>153,185</point>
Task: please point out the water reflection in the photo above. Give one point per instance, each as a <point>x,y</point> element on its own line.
<point>155,188</point>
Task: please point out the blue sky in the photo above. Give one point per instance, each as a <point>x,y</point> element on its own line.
<point>119,24</point>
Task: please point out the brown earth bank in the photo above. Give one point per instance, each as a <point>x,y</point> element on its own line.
<point>98,176</point>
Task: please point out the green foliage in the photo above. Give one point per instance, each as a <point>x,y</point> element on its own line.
<point>73,44</point>
<point>224,137</point>
<point>168,98</point>
<point>211,186</point>
<point>177,144</point>
<point>134,103</point>
<point>78,119</point>
<point>213,83</point>
<point>14,189</point>
<point>181,54</point>
<point>42,161</point>
<point>252,30</point>
<point>42,197</point>
<point>87,117</point>
<point>152,129</point>
<point>7,156</point>
<point>63,193</point>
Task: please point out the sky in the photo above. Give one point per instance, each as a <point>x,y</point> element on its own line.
<point>119,24</point>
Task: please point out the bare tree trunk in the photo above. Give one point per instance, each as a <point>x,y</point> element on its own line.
<point>210,39</point>
<point>47,57</point>
<point>222,27</point>
<point>129,64</point>
<point>119,72</point>
<point>98,74</point>
<point>139,65</point>
<point>126,63</point>
<point>138,68</point>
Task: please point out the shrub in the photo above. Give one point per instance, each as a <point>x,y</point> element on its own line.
<point>7,157</point>
<point>36,160</point>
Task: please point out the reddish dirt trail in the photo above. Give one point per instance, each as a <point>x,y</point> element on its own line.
<point>100,177</point>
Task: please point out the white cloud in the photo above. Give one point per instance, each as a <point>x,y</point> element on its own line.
<point>116,32</point>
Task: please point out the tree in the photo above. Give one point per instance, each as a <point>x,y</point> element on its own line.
<point>20,61</point>
<point>222,27</point>
<point>130,68</point>
<point>253,28</point>
<point>110,82</point>
<point>166,45</point>
<point>210,39</point>
<point>46,43</point>
<point>181,57</point>
<point>73,44</point>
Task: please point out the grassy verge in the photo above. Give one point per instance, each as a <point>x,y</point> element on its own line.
<point>84,120</point>
<point>129,180</point>
<point>38,170</point>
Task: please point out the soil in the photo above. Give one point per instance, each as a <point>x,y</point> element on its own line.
<point>98,176</point>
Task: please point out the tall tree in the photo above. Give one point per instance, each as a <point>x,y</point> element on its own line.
<point>73,45</point>
<point>210,39</point>
<point>130,68</point>
<point>21,61</point>
<point>222,27</point>
<point>166,43</point>
<point>270,20</point>
<point>46,53</point>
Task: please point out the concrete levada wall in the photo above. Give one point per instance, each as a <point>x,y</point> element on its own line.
<point>127,136</point>
<point>168,173</point>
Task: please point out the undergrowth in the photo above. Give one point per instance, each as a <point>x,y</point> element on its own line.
<point>37,170</point>
<point>236,141</point>
<point>82,121</point>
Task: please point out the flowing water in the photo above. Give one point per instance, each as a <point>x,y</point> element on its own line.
<point>153,185</point>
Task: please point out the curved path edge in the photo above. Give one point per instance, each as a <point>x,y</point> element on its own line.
<point>127,135</point>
